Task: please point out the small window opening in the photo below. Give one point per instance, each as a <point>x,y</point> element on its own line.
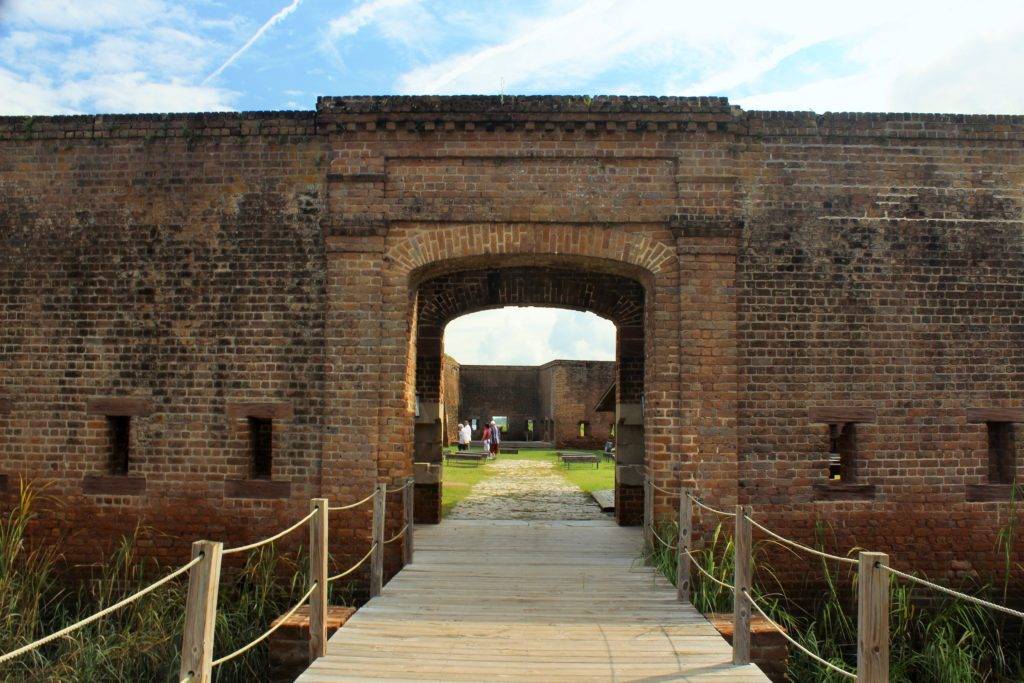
<point>842,449</point>
<point>1001,453</point>
<point>120,430</point>
<point>584,429</point>
<point>611,428</point>
<point>474,421</point>
<point>261,435</point>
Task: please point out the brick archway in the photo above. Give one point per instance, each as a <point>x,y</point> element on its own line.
<point>415,254</point>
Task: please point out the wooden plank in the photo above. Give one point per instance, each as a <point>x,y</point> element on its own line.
<point>523,600</point>
<point>872,618</point>
<point>741,587</point>
<point>201,613</point>
<point>318,544</point>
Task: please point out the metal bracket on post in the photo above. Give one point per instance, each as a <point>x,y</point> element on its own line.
<point>741,588</point>
<point>201,613</point>
<point>318,575</point>
<point>872,618</point>
<point>685,538</point>
<point>377,558</point>
<point>407,501</point>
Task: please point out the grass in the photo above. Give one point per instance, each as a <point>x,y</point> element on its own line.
<point>141,641</point>
<point>460,479</point>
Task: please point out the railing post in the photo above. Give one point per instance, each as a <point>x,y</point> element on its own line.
<point>318,575</point>
<point>407,501</point>
<point>685,538</point>
<point>872,618</point>
<point>377,558</point>
<point>648,512</point>
<point>741,588</point>
<point>201,613</point>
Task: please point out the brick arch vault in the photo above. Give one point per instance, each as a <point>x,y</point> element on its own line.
<point>431,272</point>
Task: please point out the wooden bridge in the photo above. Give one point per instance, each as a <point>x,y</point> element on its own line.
<point>538,601</point>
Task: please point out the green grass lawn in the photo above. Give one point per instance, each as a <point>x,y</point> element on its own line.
<point>460,479</point>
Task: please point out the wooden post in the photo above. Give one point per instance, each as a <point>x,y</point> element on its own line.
<point>377,558</point>
<point>741,588</point>
<point>407,501</point>
<point>872,618</point>
<point>318,575</point>
<point>201,613</point>
<point>648,512</point>
<point>685,538</point>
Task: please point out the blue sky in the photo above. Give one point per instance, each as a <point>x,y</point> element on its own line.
<point>106,56</point>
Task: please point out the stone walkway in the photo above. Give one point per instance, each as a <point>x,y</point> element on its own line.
<point>526,489</point>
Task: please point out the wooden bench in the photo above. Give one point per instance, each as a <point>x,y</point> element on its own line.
<point>473,458</point>
<point>568,459</point>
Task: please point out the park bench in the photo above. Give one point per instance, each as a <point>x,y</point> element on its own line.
<point>467,457</point>
<point>569,458</point>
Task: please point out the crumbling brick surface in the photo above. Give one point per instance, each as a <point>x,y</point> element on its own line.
<point>788,262</point>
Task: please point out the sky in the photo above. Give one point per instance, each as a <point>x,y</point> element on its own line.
<point>126,56</point>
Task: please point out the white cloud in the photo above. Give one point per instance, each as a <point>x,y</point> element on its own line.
<point>362,15</point>
<point>79,16</point>
<point>529,336</point>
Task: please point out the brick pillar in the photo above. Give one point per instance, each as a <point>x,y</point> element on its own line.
<point>629,425</point>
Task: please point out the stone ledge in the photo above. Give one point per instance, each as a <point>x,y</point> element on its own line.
<point>289,645</point>
<point>117,406</point>
<point>836,491</point>
<point>113,485</point>
<point>267,411</point>
<point>993,493</point>
<point>769,650</point>
<point>835,414</point>
<point>265,489</point>
<point>995,414</point>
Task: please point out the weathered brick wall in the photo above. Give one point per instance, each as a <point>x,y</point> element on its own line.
<point>509,390</point>
<point>571,390</point>
<point>790,264</point>
<point>450,379</point>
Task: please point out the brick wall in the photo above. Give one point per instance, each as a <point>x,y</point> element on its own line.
<point>789,266</point>
<point>571,390</point>
<point>509,390</point>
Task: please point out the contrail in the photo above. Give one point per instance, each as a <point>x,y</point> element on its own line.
<point>256,36</point>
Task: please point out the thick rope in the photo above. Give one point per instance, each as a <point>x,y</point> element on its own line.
<point>400,488</point>
<point>354,567</point>
<point>797,645</point>
<point>257,544</point>
<point>353,505</point>
<point>663,541</point>
<point>665,491</point>
<point>695,563</point>
<point>102,613</point>
<point>950,591</point>
<point>813,551</point>
<point>723,513</point>
<point>280,622</point>
<point>396,536</point>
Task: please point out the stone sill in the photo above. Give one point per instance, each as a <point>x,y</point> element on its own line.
<point>838,491</point>
<point>265,489</point>
<point>113,485</point>
<point>993,493</point>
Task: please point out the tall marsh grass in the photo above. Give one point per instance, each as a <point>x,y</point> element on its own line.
<point>934,638</point>
<point>139,642</point>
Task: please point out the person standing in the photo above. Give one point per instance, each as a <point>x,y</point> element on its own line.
<point>487,438</point>
<point>466,435</point>
<point>459,437</point>
<point>495,439</point>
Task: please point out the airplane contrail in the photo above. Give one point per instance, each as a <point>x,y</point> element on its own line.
<point>281,14</point>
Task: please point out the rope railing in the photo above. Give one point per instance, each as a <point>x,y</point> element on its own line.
<point>800,546</point>
<point>102,613</point>
<point>400,488</point>
<point>784,634</point>
<point>354,567</point>
<point>271,539</point>
<point>356,504</point>
<point>266,634</point>
<point>665,543</point>
<point>705,572</point>
<point>665,491</point>
<point>397,536</point>
<point>721,513</point>
<point>950,591</point>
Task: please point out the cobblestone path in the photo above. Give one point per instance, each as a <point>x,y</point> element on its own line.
<point>526,489</point>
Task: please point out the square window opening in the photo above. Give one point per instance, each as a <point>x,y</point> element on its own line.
<point>842,451</point>
<point>584,429</point>
<point>261,439</point>
<point>120,431</point>
<point>1002,463</point>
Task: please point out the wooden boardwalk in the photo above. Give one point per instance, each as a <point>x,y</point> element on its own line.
<point>527,600</point>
